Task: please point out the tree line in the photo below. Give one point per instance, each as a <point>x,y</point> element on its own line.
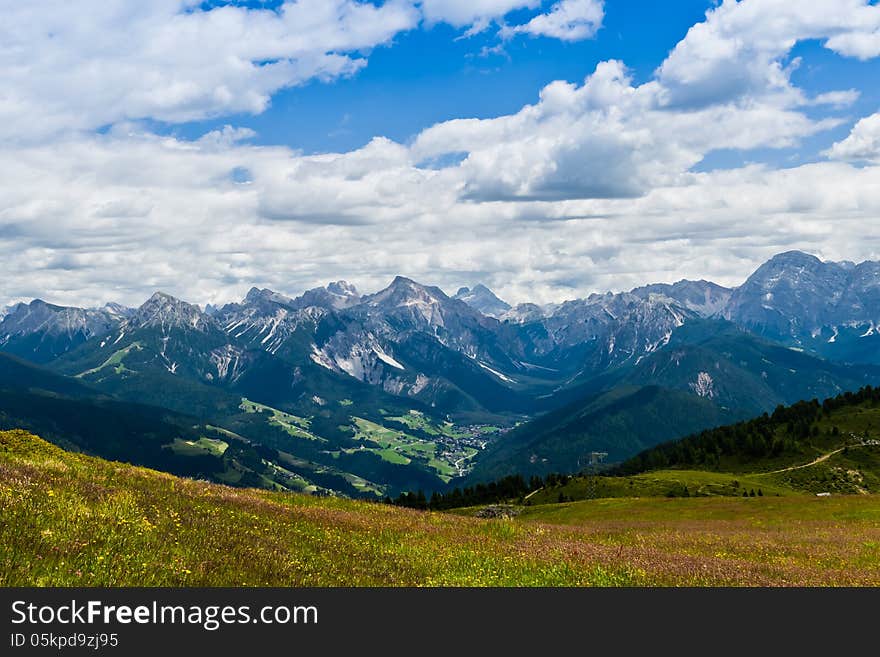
<point>513,487</point>
<point>786,431</point>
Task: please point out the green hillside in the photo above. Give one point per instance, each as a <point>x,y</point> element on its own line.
<point>70,519</point>
<point>842,427</point>
<point>314,445</point>
<point>709,374</point>
<point>740,371</point>
<point>805,448</point>
<point>77,417</point>
<point>621,422</point>
<point>74,520</point>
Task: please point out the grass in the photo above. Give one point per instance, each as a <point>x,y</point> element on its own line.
<point>662,483</point>
<point>856,470</point>
<point>840,457</point>
<point>791,540</point>
<point>359,483</point>
<point>417,421</point>
<point>202,446</point>
<point>75,520</point>
<point>393,456</point>
<point>114,361</point>
<point>392,442</point>
<point>293,425</point>
<point>435,445</point>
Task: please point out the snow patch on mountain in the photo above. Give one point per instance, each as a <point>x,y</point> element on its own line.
<point>228,362</point>
<point>320,358</point>
<point>385,358</point>
<point>704,386</point>
<point>496,372</point>
<point>524,313</point>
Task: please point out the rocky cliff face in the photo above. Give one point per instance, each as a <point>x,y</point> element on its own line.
<point>40,331</point>
<point>415,340</point>
<point>828,308</point>
<point>482,299</point>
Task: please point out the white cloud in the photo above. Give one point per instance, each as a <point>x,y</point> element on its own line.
<point>836,99</point>
<point>114,217</point>
<point>226,136</point>
<point>590,188</point>
<point>79,66</point>
<point>567,20</point>
<point>860,44</point>
<point>739,49</point>
<point>90,63</point>
<point>862,144</point>
<point>463,13</point>
<point>605,138</point>
<point>726,85</point>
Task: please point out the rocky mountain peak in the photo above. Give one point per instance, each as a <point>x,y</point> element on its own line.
<point>117,310</point>
<point>40,316</point>
<point>343,289</point>
<point>524,313</point>
<point>256,295</point>
<point>406,292</point>
<point>335,296</point>
<point>41,331</point>
<point>702,297</point>
<point>796,296</point>
<point>481,298</point>
<point>795,259</point>
<point>165,311</point>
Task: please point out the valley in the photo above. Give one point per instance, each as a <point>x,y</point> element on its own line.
<point>787,498</point>
<point>408,388</point>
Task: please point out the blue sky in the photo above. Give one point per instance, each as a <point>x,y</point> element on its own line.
<point>432,75</point>
<point>549,148</point>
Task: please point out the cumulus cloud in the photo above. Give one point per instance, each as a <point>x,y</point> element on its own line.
<point>862,44</point>
<point>591,187</point>
<point>862,144</point>
<point>726,85</point>
<point>567,20</point>
<point>82,65</point>
<point>148,204</point>
<point>739,49</point>
<point>604,138</point>
<point>836,99</point>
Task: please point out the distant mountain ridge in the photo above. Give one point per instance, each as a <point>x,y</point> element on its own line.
<point>404,337</point>
<point>828,308</point>
<point>41,331</point>
<point>798,327</point>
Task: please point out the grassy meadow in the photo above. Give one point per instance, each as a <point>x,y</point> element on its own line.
<point>70,519</point>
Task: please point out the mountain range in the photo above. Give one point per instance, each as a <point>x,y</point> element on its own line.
<point>410,386</point>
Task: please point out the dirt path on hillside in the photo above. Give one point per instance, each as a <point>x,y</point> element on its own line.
<point>824,457</point>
